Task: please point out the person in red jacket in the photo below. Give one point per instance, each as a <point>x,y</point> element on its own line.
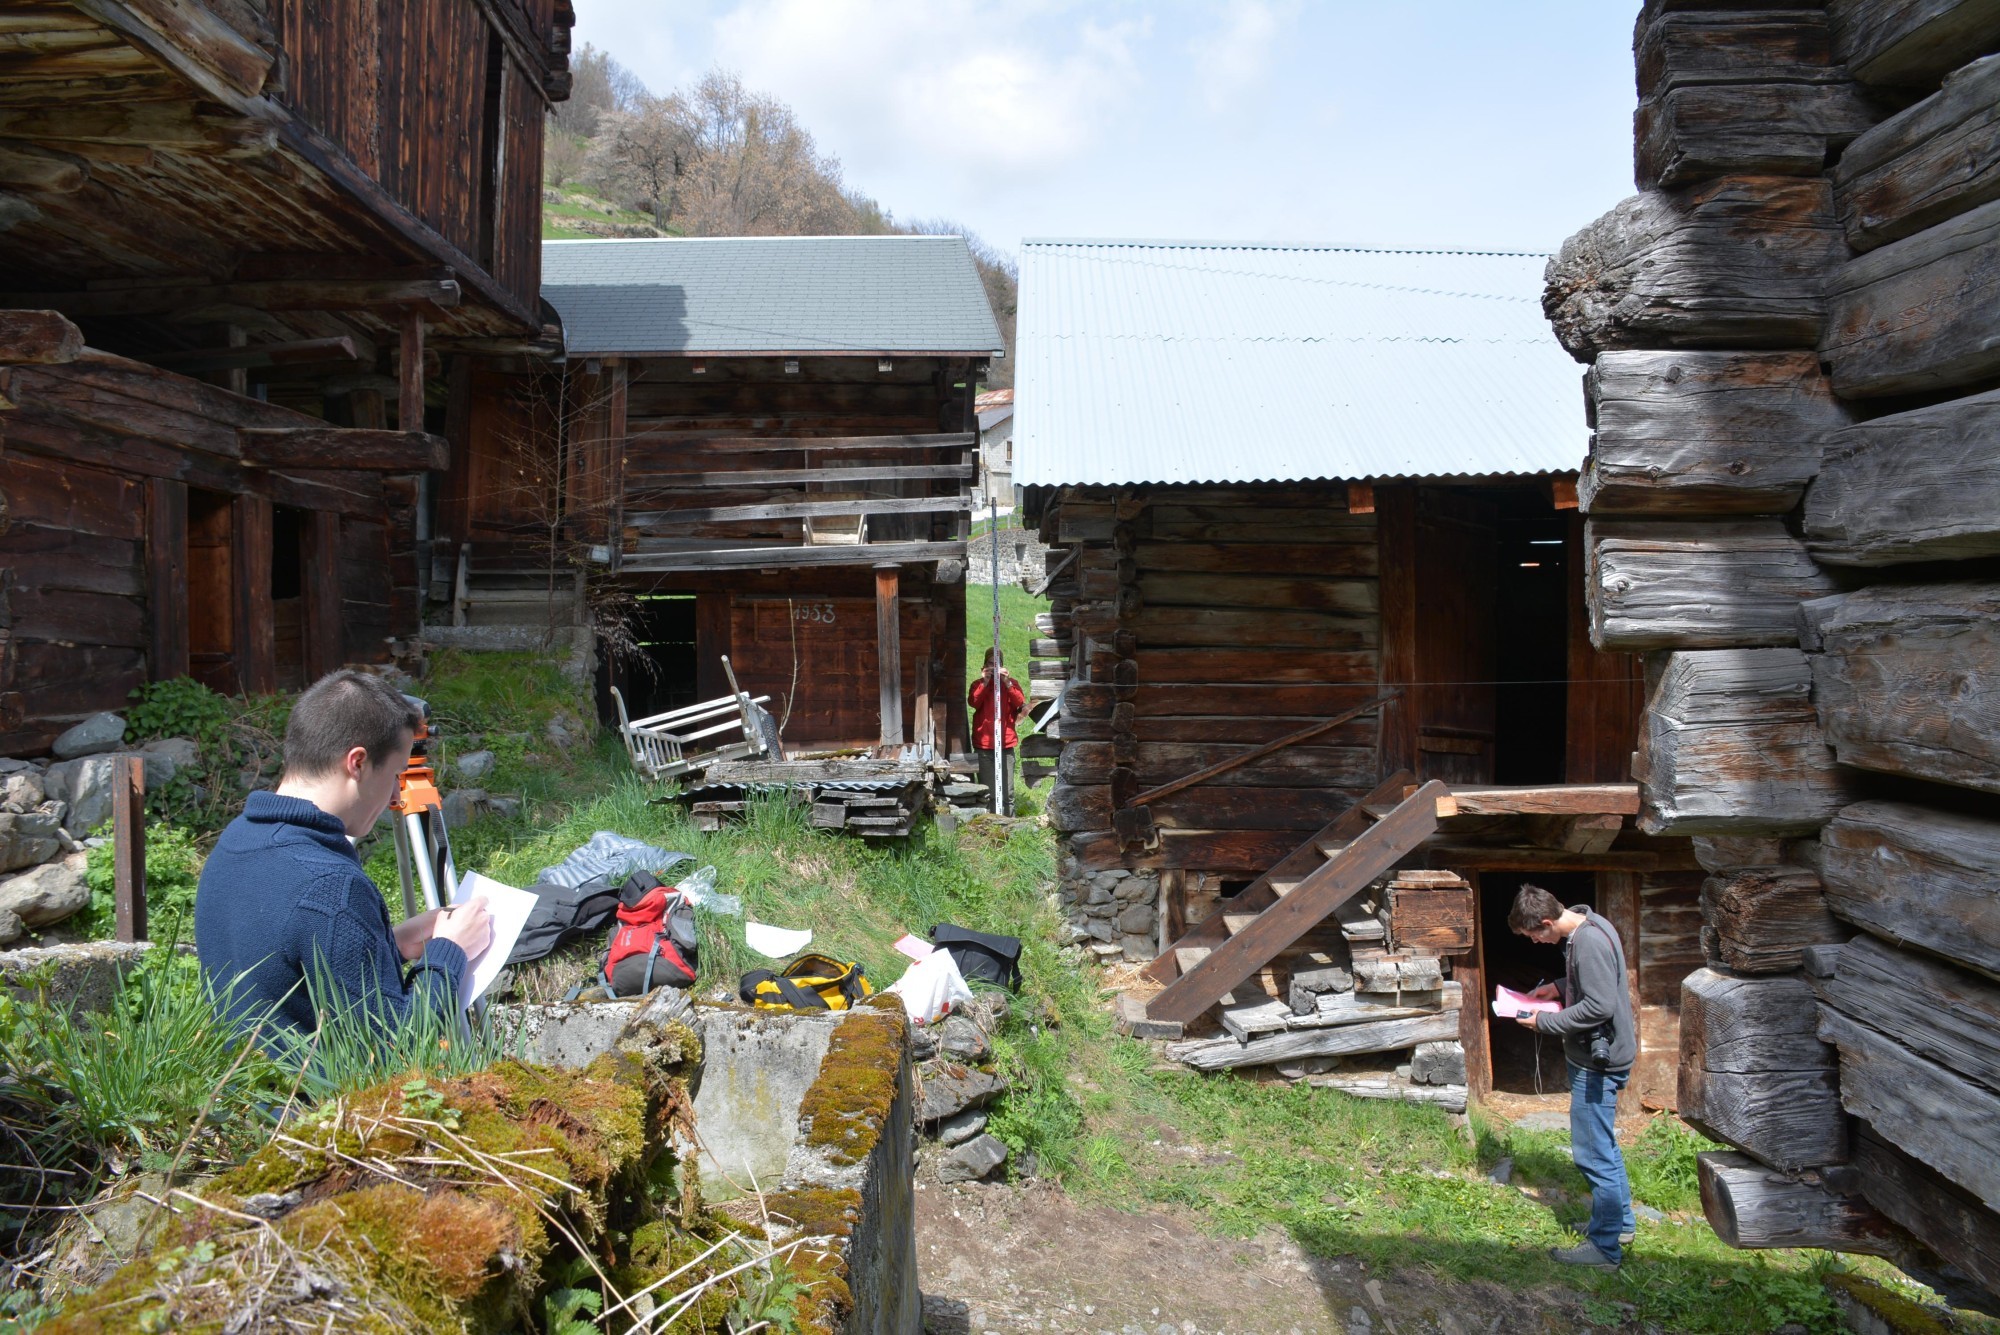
<point>1012,702</point>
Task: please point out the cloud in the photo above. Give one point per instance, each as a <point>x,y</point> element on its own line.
<point>1232,62</point>
<point>1020,87</point>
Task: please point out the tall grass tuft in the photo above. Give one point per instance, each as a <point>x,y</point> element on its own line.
<point>355,1047</point>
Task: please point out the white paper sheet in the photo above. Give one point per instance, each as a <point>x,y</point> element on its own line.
<point>510,909</point>
<point>1511,1005</point>
<point>776,942</point>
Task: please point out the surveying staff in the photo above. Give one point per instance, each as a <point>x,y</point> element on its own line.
<point>283,897</point>
<point>1012,702</point>
<point>1600,1042</point>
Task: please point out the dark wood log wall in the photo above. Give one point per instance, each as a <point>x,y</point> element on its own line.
<point>1795,525</point>
<point>403,88</point>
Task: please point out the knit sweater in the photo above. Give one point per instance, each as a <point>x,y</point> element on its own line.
<point>282,895</point>
<point>1594,996</point>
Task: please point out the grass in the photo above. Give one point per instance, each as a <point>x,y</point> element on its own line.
<point>554,215</point>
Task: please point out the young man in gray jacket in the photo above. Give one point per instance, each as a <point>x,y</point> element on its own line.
<point>1600,1042</point>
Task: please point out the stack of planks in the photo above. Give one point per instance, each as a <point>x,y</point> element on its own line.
<point>876,799</point>
<point>1380,989</point>
<point>1793,507</point>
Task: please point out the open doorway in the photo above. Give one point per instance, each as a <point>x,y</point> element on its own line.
<point>1516,962</point>
<point>288,604</point>
<point>1532,651</point>
<point>661,674</point>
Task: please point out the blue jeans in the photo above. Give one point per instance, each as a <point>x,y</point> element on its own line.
<point>1593,1142</point>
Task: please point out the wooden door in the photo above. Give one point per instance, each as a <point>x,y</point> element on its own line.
<point>816,658</point>
<point>211,591</point>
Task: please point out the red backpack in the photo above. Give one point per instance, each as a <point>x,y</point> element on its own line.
<point>654,942</point>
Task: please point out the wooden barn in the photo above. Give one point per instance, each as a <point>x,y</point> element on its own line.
<point>1315,544</point>
<point>768,449</point>
<point>251,247</point>
<point>1793,507</point>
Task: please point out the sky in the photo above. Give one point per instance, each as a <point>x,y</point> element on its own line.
<point>1427,124</point>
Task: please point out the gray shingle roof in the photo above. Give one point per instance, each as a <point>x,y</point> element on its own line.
<point>802,294</point>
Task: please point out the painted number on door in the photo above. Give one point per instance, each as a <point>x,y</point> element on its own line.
<point>819,612</point>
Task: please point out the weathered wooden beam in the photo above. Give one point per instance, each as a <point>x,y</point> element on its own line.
<point>1493,857</point>
<point>1753,1207</point>
<point>1553,799</point>
<point>180,127</point>
<point>1930,1113</point>
<point>1683,45</point>
<point>42,171</point>
<point>1765,918</point>
<point>1737,262</point>
<point>656,520</point>
<point>299,352</point>
<point>1593,833</point>
<point>1159,763</point>
<point>1939,1012</point>
<point>1898,680</point>
<point>1704,433</point>
<point>193,40</point>
<point>1905,43</point>
<point>196,300</point>
<point>1730,745</point>
<point>410,372</point>
<point>1928,163</point>
<point>38,338</point>
<point>1920,314</point>
<point>1915,486</point>
<point>645,484</point>
<point>1918,876</point>
<point>1947,1218</point>
<point>345,447</point>
<point>1754,1073</point>
<point>1696,586</point>
<point>128,846</point>
<point>949,440</point>
<point>889,656</point>
<point>1219,1054</point>
<point>784,558</point>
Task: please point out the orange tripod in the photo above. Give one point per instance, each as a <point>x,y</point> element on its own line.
<point>423,845</point>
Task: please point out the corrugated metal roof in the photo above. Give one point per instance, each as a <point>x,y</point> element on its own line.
<point>1208,361</point>
<point>919,295</point>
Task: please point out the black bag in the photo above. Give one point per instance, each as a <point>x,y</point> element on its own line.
<point>561,914</point>
<point>981,956</point>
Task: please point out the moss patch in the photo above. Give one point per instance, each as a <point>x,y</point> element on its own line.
<point>1897,1312</point>
<point>846,1108</point>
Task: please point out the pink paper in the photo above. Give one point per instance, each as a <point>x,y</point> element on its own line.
<point>1510,1005</point>
<point>914,946</point>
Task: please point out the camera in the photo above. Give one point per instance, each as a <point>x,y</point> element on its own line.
<point>1600,1046</point>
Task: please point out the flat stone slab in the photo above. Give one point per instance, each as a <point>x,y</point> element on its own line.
<point>948,1093</point>
<point>973,1160</point>
<point>85,975</point>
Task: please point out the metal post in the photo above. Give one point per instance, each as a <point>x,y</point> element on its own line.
<point>998,695</point>
<point>128,846</point>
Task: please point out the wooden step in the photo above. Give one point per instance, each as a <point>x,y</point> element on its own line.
<point>1284,885</point>
<point>1236,922</point>
<point>1328,846</point>
<point>1189,956</point>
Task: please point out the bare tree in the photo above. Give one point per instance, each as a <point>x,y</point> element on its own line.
<point>599,84</point>
<point>644,153</point>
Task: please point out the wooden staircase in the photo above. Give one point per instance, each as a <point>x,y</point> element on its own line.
<point>1314,882</point>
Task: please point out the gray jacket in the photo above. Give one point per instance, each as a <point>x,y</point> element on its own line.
<point>1594,994</point>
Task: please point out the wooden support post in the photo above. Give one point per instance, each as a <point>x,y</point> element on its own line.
<point>166,578</point>
<point>256,620</point>
<point>410,373</point>
<point>922,727</point>
<point>128,845</point>
<point>324,646</point>
<point>889,653</point>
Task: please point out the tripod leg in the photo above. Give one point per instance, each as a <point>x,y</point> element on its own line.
<point>402,838</point>
<point>418,834</point>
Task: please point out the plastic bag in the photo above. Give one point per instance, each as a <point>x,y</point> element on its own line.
<point>700,890</point>
<point>931,987</point>
<point>613,856</point>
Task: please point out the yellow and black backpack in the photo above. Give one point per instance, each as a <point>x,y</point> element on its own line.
<point>809,983</point>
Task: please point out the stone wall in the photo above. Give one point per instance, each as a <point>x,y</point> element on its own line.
<point>1117,912</point>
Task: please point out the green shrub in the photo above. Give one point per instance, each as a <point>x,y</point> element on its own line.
<point>173,867</point>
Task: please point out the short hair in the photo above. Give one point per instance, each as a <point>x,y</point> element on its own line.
<point>341,711</point>
<point>994,658</point>
<point>1533,906</point>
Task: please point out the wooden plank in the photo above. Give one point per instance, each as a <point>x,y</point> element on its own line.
<point>1250,666</point>
<point>1920,314</point>
<point>1765,917</point>
<point>1731,746</point>
<point>1247,1020</point>
<point>1737,262</point>
<point>319,558</point>
<point>1558,799</point>
<point>1158,763</point>
<point>1917,876</point>
<point>255,631</point>
<point>949,440</point>
<point>345,447</point>
<point>1948,1219</point>
<point>1908,43</point>
<point>38,337</point>
<point>1489,857</point>
<point>889,655</point>
<point>1939,1012</point>
<point>1229,763</point>
<point>1750,1206</point>
<point>789,557</point>
<point>1777,128</point>
<point>1928,163</point>
<point>1930,1113</point>
<point>1579,834</point>
<point>1696,586</point>
<point>198,302</point>
<point>1372,852</point>
<point>1296,862</point>
<point>651,520</point>
<point>166,579</point>
<point>192,40</point>
<point>638,482</point>
<point>1754,1074</point>
<point>1379,1036</point>
<point>1897,682</point>
<point>1915,486</point>
<point>1325,559</point>
<point>1294,592</point>
<point>1704,433</point>
<point>128,846</point>
<point>1229,627</point>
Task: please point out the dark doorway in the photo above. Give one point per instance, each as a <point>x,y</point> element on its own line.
<point>288,531</point>
<point>211,541</point>
<point>1516,962</point>
<point>660,675</point>
<point>1532,658</point>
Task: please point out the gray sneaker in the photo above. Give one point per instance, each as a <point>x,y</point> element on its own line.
<point>1584,1253</point>
<point>1627,1238</point>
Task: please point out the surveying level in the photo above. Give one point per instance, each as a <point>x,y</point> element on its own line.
<point>423,845</point>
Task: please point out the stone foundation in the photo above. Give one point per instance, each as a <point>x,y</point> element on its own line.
<point>1116,912</point>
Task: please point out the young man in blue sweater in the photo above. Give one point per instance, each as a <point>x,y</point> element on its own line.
<point>283,896</point>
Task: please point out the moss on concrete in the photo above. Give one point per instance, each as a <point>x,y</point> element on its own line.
<point>846,1108</point>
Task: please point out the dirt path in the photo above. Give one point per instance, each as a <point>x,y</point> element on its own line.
<point>1005,1259</point>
